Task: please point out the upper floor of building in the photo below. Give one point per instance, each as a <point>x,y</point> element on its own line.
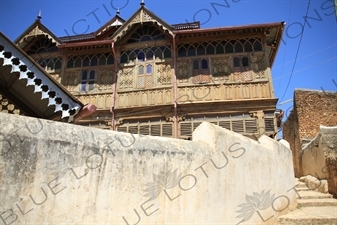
<point>145,53</point>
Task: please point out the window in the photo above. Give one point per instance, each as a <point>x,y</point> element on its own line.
<point>50,64</point>
<point>145,68</point>
<point>240,123</point>
<point>220,47</point>
<point>146,32</point>
<point>145,75</point>
<point>241,68</point>
<point>87,80</point>
<point>200,71</point>
<point>90,60</point>
<point>153,127</point>
<point>146,54</point>
<point>42,45</point>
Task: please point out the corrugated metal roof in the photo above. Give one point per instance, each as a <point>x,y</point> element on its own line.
<point>77,37</point>
<point>186,26</point>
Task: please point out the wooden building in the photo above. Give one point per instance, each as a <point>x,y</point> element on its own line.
<point>149,77</point>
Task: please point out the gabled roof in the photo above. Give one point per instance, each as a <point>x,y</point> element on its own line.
<point>122,27</point>
<point>30,87</point>
<point>142,15</point>
<point>37,28</point>
<point>114,22</point>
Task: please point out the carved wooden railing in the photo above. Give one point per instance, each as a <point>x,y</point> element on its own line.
<point>224,91</point>
<point>144,97</point>
<point>101,101</point>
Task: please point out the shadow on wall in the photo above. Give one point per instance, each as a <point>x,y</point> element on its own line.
<point>319,157</point>
<point>54,172</point>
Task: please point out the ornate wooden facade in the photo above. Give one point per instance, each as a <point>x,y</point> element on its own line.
<point>149,77</point>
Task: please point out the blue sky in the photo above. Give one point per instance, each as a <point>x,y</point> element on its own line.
<point>314,68</point>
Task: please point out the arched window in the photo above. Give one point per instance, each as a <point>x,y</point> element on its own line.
<point>110,59</point>
<point>141,56</point>
<point>101,60</point>
<point>85,61</point>
<point>41,45</point>
<point>201,50</point>
<point>70,63</point>
<point>93,61</point>
<point>237,62</point>
<point>149,69</point>
<point>219,49</point>
<point>204,64</point>
<point>90,60</point>
<point>245,62</point>
<point>209,49</point>
<point>191,51</point>
<point>248,47</point>
<point>238,47</point>
<point>257,46</point>
<point>229,48</point>
<point>149,55</point>
<point>50,64</point>
<point>146,32</point>
<point>57,64</point>
<point>78,62</point>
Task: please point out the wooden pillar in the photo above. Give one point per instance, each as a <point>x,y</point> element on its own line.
<point>260,123</point>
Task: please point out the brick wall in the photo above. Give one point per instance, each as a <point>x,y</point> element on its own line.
<point>311,109</point>
<point>315,108</point>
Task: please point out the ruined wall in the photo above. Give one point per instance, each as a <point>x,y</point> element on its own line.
<point>315,108</point>
<point>319,157</point>
<point>311,109</point>
<point>53,173</point>
<point>290,134</point>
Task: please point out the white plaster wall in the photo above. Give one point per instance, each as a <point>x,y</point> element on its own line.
<point>313,159</point>
<point>56,173</point>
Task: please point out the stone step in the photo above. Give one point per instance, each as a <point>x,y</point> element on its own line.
<point>313,195</point>
<point>300,185</point>
<point>310,216</point>
<point>303,189</point>
<point>317,202</point>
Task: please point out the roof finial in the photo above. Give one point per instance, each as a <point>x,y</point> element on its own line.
<point>118,12</point>
<point>142,3</point>
<point>39,16</point>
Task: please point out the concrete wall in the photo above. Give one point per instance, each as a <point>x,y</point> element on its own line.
<point>53,173</point>
<point>311,109</point>
<point>319,157</point>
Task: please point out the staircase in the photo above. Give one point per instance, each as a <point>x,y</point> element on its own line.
<point>313,208</point>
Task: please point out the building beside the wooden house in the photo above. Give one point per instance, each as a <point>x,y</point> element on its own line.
<point>150,77</point>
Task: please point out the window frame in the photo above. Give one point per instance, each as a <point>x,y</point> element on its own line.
<point>88,81</point>
<point>241,72</point>
<point>145,76</point>
<point>200,75</point>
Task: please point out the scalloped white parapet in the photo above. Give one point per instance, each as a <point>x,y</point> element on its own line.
<point>17,65</point>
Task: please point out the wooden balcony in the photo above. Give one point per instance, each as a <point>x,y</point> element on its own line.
<point>144,97</point>
<point>224,91</point>
<point>101,101</point>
